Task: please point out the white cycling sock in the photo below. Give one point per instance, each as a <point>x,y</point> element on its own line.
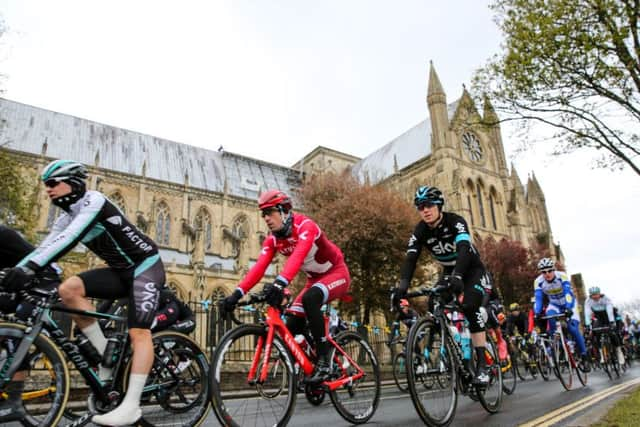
<point>96,337</point>
<point>129,410</point>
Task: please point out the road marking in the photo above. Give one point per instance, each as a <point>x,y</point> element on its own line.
<point>561,413</point>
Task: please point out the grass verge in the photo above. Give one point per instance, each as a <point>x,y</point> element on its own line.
<point>626,412</point>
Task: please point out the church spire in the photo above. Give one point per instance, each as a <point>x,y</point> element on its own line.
<point>490,117</point>
<point>437,102</point>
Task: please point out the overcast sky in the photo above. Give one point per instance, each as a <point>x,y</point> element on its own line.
<point>274,79</point>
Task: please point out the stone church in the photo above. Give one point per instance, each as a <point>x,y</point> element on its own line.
<point>199,205</point>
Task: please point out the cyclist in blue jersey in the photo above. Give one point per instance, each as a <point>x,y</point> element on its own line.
<point>446,236</point>
<point>134,270</point>
<point>555,285</point>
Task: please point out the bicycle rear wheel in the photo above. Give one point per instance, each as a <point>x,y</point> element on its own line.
<point>542,362</point>
<point>358,400</point>
<point>491,396</point>
<point>236,400</point>
<point>436,406</point>
<point>177,388</point>
<point>47,381</point>
<point>400,372</point>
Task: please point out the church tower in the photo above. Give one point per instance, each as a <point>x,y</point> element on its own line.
<point>437,102</point>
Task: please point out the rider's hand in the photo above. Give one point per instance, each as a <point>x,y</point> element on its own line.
<point>16,278</point>
<point>230,302</point>
<point>568,312</point>
<point>396,295</point>
<point>274,292</point>
<point>613,326</point>
<point>456,283</point>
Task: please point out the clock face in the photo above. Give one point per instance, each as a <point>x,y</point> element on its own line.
<point>472,147</point>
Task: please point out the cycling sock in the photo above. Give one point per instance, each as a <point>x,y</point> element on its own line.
<point>480,353</point>
<point>129,410</point>
<point>96,337</point>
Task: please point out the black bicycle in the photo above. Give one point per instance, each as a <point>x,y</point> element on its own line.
<point>176,393</point>
<point>433,335</point>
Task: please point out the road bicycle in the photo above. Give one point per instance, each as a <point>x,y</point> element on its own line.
<point>454,374</point>
<point>171,396</point>
<point>563,353</point>
<point>523,352</point>
<point>253,376</point>
<point>605,351</point>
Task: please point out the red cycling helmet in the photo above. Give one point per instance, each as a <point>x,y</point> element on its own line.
<point>274,198</point>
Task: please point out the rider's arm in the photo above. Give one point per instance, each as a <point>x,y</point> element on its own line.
<point>67,233</point>
<point>609,306</point>
<point>537,306</point>
<point>464,248</point>
<point>257,271</point>
<point>411,259</point>
<point>307,234</point>
<point>568,292</point>
<point>588,312</point>
<point>12,247</point>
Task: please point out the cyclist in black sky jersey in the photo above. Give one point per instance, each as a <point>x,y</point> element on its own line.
<point>446,236</point>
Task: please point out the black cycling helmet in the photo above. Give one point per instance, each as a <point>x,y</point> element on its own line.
<point>426,194</point>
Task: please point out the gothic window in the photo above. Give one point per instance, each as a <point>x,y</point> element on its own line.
<point>483,220</point>
<point>163,224</point>
<point>470,209</point>
<point>203,224</point>
<point>493,211</point>
<point>239,231</point>
<point>117,199</point>
<point>54,213</point>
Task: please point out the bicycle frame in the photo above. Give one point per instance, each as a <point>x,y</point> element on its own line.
<point>274,324</point>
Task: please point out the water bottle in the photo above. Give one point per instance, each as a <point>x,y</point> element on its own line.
<point>87,349</point>
<point>465,343</point>
<point>111,352</point>
<point>571,347</point>
<point>303,343</point>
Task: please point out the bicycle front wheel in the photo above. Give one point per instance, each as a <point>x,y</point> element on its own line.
<point>542,361</point>
<point>240,399</point>
<point>436,406</point>
<point>564,370</point>
<point>491,396</point>
<point>357,400</point>
<point>400,371</point>
<point>47,378</point>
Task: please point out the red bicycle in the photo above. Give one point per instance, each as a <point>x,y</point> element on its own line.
<point>256,367</point>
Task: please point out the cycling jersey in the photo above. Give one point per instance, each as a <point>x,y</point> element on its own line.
<point>307,249</point>
<point>558,291</point>
<point>520,322</point>
<point>600,308</point>
<point>97,223</point>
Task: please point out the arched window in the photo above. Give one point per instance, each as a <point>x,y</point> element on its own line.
<point>483,220</point>
<point>470,210</point>
<point>203,224</point>
<point>493,210</point>
<point>239,230</point>
<point>163,224</point>
<point>117,199</point>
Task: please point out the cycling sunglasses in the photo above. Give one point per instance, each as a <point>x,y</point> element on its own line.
<point>51,183</point>
<point>424,205</point>
<point>267,211</point>
<point>546,271</point>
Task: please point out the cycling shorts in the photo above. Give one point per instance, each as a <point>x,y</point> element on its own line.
<point>334,284</point>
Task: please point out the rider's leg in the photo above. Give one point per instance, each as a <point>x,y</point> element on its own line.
<point>473,297</point>
<point>144,297</point>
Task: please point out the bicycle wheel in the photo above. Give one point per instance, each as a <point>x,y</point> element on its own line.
<point>521,364</point>
<point>491,396</point>
<point>357,400</point>
<point>46,386</point>
<point>240,402</point>
<point>509,376</point>
<point>436,407</point>
<point>613,359</point>
<point>542,362</point>
<point>563,367</point>
<point>604,359</point>
<point>582,375</point>
<point>177,388</point>
<point>400,371</point>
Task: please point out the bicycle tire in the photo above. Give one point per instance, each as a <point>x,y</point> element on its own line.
<point>430,335</point>
<point>510,376</point>
<point>42,346</point>
<point>172,397</point>
<point>520,365</point>
<point>229,369</point>
<point>606,366</point>
<point>492,402</point>
<point>582,375</point>
<point>542,362</point>
<point>613,358</point>
<point>363,395</point>
<point>564,370</point>
<point>400,372</point>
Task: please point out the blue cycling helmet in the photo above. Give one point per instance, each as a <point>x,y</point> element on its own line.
<point>594,290</point>
<point>426,194</point>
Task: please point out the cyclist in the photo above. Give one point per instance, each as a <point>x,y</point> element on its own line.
<point>600,307</point>
<point>406,315</point>
<point>134,270</point>
<point>517,320</point>
<point>173,314</point>
<point>555,285</point>
<point>446,236</point>
<point>308,249</point>
<point>13,247</point>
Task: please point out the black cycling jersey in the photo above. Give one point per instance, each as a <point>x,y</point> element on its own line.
<point>520,322</point>
<point>449,243</point>
<point>97,223</point>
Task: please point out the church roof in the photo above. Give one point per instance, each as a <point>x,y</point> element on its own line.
<point>55,135</point>
<point>402,151</point>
